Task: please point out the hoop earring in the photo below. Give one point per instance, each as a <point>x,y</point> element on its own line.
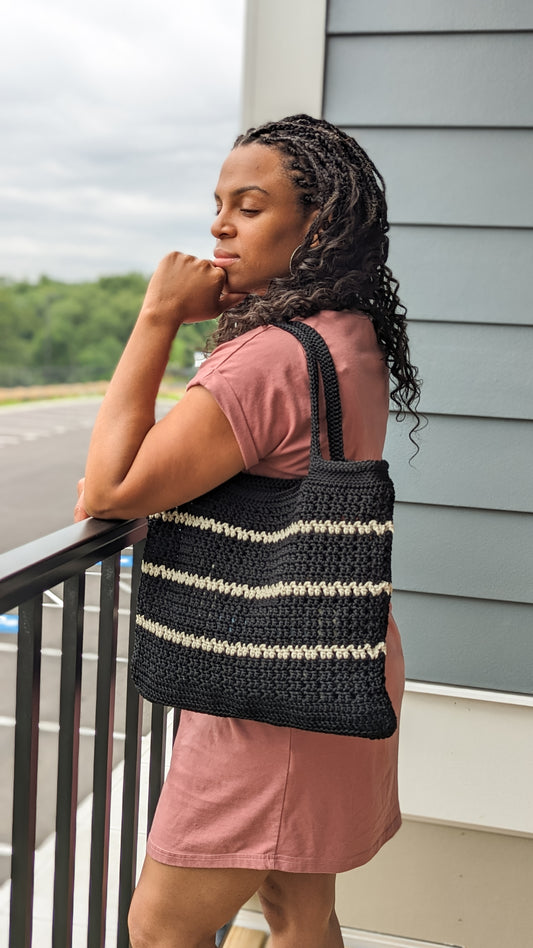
<point>295,251</point>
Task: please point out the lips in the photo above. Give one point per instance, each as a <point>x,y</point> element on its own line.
<point>224,259</point>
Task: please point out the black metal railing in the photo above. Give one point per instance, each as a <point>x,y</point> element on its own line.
<point>25,575</point>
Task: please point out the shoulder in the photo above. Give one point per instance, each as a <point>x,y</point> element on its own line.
<point>256,346</point>
<point>260,360</point>
<point>260,382</point>
<point>346,326</point>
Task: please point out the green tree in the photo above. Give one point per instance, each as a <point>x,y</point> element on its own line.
<point>54,331</point>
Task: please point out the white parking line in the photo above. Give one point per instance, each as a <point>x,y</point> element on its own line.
<point>59,605</point>
<point>55,599</point>
<point>52,727</point>
<point>56,653</point>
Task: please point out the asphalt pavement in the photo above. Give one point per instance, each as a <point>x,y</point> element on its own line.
<point>43,446</point>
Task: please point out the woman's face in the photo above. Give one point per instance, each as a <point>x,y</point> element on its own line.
<point>259,221</point>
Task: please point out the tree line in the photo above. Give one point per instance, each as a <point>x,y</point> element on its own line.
<point>54,332</point>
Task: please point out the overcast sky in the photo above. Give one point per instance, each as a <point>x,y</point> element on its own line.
<point>115,116</point>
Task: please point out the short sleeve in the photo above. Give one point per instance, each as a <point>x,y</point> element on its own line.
<point>260,382</point>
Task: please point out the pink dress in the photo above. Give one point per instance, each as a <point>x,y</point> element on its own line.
<point>242,794</point>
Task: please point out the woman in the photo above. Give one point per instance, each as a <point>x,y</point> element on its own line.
<point>301,232</point>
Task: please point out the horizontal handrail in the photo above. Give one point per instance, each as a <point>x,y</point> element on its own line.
<point>28,570</point>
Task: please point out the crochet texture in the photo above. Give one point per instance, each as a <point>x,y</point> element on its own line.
<point>268,599</point>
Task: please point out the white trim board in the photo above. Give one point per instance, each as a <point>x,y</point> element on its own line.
<point>283,68</point>
<point>467,760</point>
<point>353,938</point>
<point>470,694</point>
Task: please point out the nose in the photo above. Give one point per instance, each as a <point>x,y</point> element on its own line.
<point>223,225</point>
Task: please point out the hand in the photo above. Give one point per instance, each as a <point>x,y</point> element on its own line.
<point>185,289</point>
<point>79,510</point>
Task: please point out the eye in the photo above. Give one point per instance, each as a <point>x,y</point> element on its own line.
<point>250,211</point>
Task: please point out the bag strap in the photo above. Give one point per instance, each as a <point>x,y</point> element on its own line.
<point>319,356</point>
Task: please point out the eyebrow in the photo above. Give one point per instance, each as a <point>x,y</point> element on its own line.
<point>243,190</point>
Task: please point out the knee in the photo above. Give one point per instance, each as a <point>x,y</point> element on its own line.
<point>299,910</point>
<point>148,928</point>
<point>274,912</point>
<point>145,930</point>
<point>139,927</point>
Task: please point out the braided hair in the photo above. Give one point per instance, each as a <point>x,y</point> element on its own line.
<point>341,263</point>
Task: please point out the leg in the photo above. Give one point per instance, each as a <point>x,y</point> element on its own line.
<point>300,910</point>
<point>184,908</point>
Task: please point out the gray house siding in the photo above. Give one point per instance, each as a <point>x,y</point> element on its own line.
<point>458,173</point>
<point>441,96</point>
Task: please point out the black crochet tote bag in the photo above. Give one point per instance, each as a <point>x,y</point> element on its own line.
<point>267,599</point>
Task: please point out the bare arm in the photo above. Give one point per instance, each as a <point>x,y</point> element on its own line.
<point>136,466</point>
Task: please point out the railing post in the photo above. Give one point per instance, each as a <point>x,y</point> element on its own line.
<point>68,756</point>
<point>25,772</point>
<point>103,750</point>
<point>156,773</point>
<point>132,767</point>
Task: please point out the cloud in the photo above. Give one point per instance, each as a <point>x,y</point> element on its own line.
<point>115,118</point>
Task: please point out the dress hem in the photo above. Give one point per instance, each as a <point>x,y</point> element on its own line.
<point>270,861</point>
